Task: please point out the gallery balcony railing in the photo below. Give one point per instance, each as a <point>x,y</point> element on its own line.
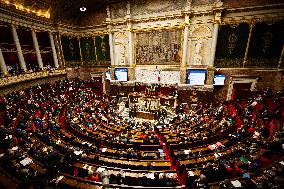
<point>4,81</point>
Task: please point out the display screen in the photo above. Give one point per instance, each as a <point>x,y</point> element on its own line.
<point>121,74</point>
<point>219,79</point>
<point>196,77</point>
<point>107,75</point>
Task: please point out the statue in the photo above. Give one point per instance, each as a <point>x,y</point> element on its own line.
<point>197,58</point>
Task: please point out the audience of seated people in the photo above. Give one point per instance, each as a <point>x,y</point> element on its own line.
<point>14,71</point>
<point>40,124</point>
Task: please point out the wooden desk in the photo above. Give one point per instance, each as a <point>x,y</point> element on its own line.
<point>126,172</point>
<point>145,115</point>
<point>77,182</point>
<point>129,163</point>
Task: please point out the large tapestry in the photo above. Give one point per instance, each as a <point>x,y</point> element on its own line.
<point>94,50</point>
<point>87,50</point>
<point>158,47</point>
<point>266,44</point>
<point>231,45</point>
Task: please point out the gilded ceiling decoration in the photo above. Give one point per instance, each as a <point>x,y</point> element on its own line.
<point>39,8</point>
<point>67,11</point>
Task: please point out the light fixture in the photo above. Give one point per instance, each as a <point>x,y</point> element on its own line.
<point>83,9</point>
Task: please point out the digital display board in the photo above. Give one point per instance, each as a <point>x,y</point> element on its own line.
<point>196,77</point>
<point>219,79</point>
<point>121,74</point>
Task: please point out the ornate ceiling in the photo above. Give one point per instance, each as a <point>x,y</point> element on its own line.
<point>63,10</point>
<point>59,10</point>
<point>68,11</point>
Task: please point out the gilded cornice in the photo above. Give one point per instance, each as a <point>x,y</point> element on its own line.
<point>29,21</point>
<point>23,14</point>
<point>255,8</point>
<point>145,20</point>
<point>152,28</point>
<point>270,19</point>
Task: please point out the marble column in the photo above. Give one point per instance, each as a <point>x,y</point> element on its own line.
<point>3,66</point>
<point>214,44</point>
<point>210,76</point>
<point>54,53</point>
<point>183,71</point>
<point>111,48</point>
<point>185,45</point>
<point>19,49</point>
<point>60,51</point>
<point>38,56</point>
<point>130,43</point>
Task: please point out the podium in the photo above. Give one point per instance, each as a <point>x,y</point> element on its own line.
<point>146,106</point>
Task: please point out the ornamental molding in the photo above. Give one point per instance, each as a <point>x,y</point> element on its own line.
<point>268,18</point>
<point>270,7</point>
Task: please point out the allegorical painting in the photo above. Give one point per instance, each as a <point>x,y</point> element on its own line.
<point>158,47</point>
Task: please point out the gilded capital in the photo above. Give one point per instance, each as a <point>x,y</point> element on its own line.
<point>218,17</point>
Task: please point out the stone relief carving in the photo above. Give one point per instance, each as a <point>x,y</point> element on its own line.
<point>202,2</point>
<point>146,75</point>
<point>150,75</point>
<point>170,76</point>
<point>121,48</point>
<point>140,7</point>
<point>201,32</point>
